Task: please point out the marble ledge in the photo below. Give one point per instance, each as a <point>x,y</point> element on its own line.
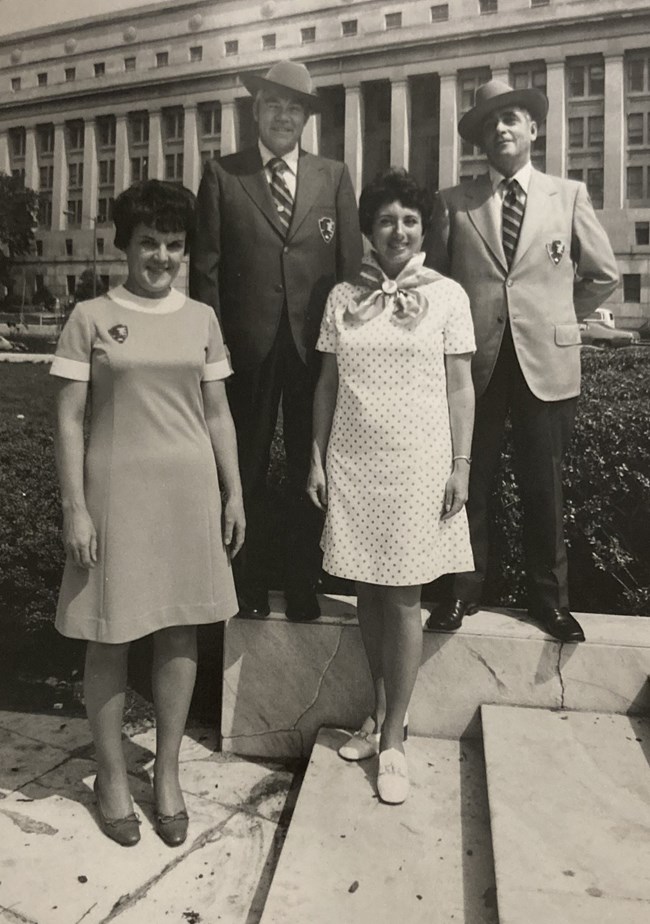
<point>283,680</point>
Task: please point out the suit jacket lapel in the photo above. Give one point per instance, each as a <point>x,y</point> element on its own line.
<point>254,181</point>
<point>540,189</point>
<point>308,182</point>
<point>479,209</point>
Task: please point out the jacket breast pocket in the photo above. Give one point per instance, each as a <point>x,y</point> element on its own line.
<point>567,335</point>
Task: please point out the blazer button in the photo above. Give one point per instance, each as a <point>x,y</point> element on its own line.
<point>285,250</point>
<point>500,320</point>
<point>279,288</point>
<point>508,282</point>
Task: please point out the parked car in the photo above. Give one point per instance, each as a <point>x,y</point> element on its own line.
<point>600,330</point>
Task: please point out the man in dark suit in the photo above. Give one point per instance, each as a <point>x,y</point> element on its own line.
<point>277,229</point>
<point>534,260</point>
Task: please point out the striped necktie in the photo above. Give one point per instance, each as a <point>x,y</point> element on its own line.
<point>282,198</point>
<point>514,203</point>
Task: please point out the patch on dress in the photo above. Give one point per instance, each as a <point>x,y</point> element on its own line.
<point>119,332</point>
<point>555,250</point>
<point>326,226</point>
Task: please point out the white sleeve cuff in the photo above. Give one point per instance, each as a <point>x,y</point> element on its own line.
<point>218,370</point>
<point>70,369</point>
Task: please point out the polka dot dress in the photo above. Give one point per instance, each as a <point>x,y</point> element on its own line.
<point>389,455</point>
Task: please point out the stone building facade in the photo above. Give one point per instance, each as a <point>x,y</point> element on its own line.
<point>91,105</point>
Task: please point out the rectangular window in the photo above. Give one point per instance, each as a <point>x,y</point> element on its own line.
<point>106,172</point>
<point>106,282</point>
<point>139,124</point>
<point>45,139</point>
<point>100,69</point>
<point>17,141</point>
<point>393,20</point>
<point>15,83</point>
<point>39,248</point>
<point>268,41</point>
<point>75,135</point>
<point>636,75</point>
<point>349,27</point>
<point>100,246</point>
<point>595,186</point>
<point>75,175</point>
<point>576,133</point>
<point>162,59</point>
<point>595,130</point>
<point>211,120</point>
<point>308,35</point>
<point>68,246</point>
<point>642,232</point>
<point>534,3</point>
<point>70,73</point>
<point>635,183</point>
<point>440,12</point>
<point>173,124</point>
<point>106,130</point>
<point>73,212</point>
<point>42,79</point>
<point>129,63</point>
<point>575,174</point>
<point>596,80</point>
<point>105,209</point>
<point>232,47</point>
<point>576,80</point>
<point>174,166</point>
<point>71,283</point>
<point>488,6</point>
<point>632,287</point>
<point>635,127</point>
<point>45,212</point>
<point>196,53</point>
<point>46,176</point>
<point>139,169</point>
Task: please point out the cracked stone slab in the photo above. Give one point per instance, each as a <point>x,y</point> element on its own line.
<point>350,858</point>
<point>56,866</point>
<point>569,797</point>
<point>23,759</point>
<point>64,732</point>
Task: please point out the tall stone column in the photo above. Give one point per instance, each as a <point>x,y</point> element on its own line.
<point>156,166</point>
<point>122,159</point>
<point>60,180</point>
<point>353,143</point>
<point>400,123</point>
<point>228,127</point>
<point>91,170</point>
<point>556,141</point>
<point>614,151</point>
<point>5,160</point>
<point>449,142</point>
<point>310,140</point>
<point>191,154</point>
<point>32,179</point>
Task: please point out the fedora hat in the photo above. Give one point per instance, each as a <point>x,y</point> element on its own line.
<point>285,77</point>
<point>495,95</point>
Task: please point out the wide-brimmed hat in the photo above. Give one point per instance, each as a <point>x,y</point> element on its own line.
<point>285,76</point>
<point>495,95</point>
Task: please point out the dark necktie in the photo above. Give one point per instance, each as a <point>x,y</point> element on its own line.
<point>514,204</point>
<point>282,197</point>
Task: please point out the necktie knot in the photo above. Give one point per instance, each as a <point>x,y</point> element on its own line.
<point>277,166</point>
<point>512,190</point>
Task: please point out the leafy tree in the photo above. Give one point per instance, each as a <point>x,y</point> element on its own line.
<point>85,288</point>
<point>18,218</point>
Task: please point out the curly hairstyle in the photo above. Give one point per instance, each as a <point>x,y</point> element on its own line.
<point>396,185</point>
<point>157,204</point>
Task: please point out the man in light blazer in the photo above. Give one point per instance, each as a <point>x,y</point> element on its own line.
<point>277,228</point>
<point>534,260</point>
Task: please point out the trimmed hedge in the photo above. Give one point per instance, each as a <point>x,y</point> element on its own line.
<point>607,497</point>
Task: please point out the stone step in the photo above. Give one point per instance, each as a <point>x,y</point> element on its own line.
<point>569,797</point>
<point>350,858</point>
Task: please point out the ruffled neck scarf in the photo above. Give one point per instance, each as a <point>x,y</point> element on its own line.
<point>407,304</point>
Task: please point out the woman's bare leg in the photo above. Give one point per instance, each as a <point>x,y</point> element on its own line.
<point>401,655</point>
<point>370,618</point>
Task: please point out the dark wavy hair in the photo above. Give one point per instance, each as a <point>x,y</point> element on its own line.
<point>157,204</point>
<point>396,185</point>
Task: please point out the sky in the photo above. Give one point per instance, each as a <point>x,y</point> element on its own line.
<point>20,15</point>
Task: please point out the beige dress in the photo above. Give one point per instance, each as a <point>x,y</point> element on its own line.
<point>151,481</point>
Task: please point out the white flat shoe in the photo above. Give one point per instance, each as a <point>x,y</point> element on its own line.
<point>362,744</point>
<point>393,777</point>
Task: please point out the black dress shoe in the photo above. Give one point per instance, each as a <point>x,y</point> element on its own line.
<point>559,623</point>
<point>302,605</point>
<point>124,831</point>
<point>253,604</point>
<point>172,829</point>
<point>449,616</point>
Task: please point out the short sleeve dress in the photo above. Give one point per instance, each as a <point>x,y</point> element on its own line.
<point>389,454</point>
<point>150,475</point>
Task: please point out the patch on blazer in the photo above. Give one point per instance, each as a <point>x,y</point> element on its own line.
<point>555,250</point>
<point>119,333</point>
<point>326,227</point>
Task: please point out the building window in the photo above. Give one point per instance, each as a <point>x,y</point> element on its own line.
<point>196,53</point>
<point>15,83</point>
<point>75,175</point>
<point>173,124</point>
<point>595,131</point>
<point>638,72</point>
<point>68,246</point>
<point>488,6</point>
<point>268,41</point>
<point>232,47</point>
<point>308,35</point>
<point>632,287</point>
<point>46,176</point>
<point>349,27</point>
<point>70,73</point>
<point>18,173</point>
<point>106,172</point>
<point>105,209</point>
<point>576,133</point>
<point>42,79</point>
<point>162,59</point>
<point>393,20</point>
<point>129,63</point>
<point>174,166</point>
<point>73,212</point>
<point>106,131</point>
<point>100,246</point>
<point>534,3</point>
<point>106,282</point>
<point>139,169</point>
<point>17,142</point>
<point>39,248</point>
<point>75,135</point>
<point>211,120</point>
<point>71,284</point>
<point>595,186</point>
<point>139,127</point>
<point>634,183</point>
<point>642,233</point>
<point>635,122</point>
<point>586,80</point>
<point>45,212</point>
<point>440,12</point>
<point>100,69</point>
<point>45,139</point>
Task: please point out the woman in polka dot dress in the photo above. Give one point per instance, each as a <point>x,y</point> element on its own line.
<point>393,418</point>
